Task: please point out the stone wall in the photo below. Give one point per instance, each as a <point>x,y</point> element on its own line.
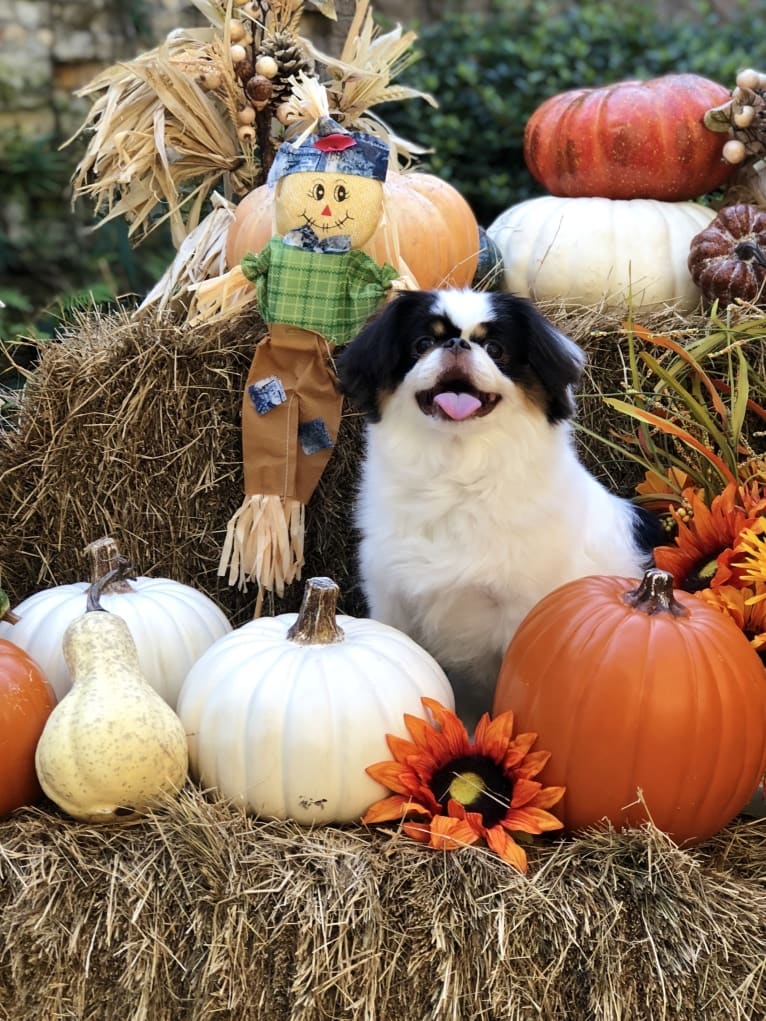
<point>49,48</point>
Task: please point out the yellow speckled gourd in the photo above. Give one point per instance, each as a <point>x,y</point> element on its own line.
<point>112,746</point>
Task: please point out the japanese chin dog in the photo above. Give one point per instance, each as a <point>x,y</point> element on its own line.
<point>473,504</point>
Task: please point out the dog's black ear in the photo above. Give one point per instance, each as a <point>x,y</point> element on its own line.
<point>556,361</point>
<point>379,357</point>
<point>648,530</point>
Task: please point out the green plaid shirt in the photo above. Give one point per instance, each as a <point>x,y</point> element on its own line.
<point>330,293</point>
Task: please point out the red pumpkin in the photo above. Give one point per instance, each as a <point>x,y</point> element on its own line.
<point>727,260</point>
<point>26,700</point>
<point>629,140</point>
<point>429,229</point>
<point>651,702</point>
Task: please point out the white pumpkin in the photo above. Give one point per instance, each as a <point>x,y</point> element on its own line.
<point>111,747</point>
<point>284,714</point>
<point>611,253</point>
<point>172,623</point>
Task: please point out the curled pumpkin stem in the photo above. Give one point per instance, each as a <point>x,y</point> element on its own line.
<point>122,572</point>
<point>655,595</point>
<point>750,251</point>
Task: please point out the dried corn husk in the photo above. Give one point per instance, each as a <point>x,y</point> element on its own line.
<point>160,141</point>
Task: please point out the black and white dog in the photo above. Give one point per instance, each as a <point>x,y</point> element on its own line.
<point>473,504</point>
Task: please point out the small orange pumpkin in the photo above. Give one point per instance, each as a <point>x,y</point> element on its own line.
<point>26,701</point>
<point>651,702</point>
<point>428,229</point>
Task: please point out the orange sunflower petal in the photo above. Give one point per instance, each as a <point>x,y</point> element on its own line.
<point>418,831</point>
<point>400,748</point>
<point>547,797</point>
<point>748,614</point>
<point>442,833</point>
<point>661,486</point>
<point>429,740</point>
<point>395,807</point>
<point>518,750</point>
<point>505,846</point>
<point>393,776</point>
<point>473,819</point>
<point>530,820</point>
<point>494,737</point>
<point>524,792</point>
<point>728,600</point>
<point>534,763</point>
<point>452,729</point>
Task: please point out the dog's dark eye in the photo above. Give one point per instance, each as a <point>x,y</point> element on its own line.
<point>423,344</point>
<point>495,351</point>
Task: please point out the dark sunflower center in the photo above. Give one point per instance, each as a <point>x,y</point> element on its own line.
<point>477,783</point>
<point>700,576</point>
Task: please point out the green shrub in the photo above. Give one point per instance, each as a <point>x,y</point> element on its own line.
<point>51,261</point>
<point>490,72</point>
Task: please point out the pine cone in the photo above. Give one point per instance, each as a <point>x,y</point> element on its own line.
<point>290,57</point>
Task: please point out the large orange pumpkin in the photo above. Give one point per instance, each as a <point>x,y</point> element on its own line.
<point>429,230</point>
<point>651,702</point>
<point>629,140</point>
<point>26,700</point>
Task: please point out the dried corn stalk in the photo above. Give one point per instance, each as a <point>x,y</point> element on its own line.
<point>195,123</point>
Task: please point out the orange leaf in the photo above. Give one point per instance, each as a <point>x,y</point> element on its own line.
<point>673,430</point>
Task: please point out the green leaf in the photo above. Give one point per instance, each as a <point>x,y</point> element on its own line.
<point>739,398</point>
<point>719,466</point>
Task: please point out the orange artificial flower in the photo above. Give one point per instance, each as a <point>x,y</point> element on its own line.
<point>703,554</point>
<point>659,489</point>
<point>453,793</point>
<point>752,545</point>
<point>746,607</point>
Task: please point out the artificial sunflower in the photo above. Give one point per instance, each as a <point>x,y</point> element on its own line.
<point>453,792</point>
<point>704,552</point>
<point>658,491</point>
<point>752,546</point>
<point>746,607</point>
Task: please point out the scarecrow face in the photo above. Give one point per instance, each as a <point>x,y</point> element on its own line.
<point>329,203</point>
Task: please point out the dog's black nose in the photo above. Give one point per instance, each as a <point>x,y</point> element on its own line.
<point>456,342</point>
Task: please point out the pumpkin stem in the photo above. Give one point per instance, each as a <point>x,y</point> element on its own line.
<point>316,623</point>
<point>655,594</point>
<point>747,250</point>
<point>105,558</point>
<point>111,581</point>
<point>6,613</point>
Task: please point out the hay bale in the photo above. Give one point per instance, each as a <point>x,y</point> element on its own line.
<point>131,428</point>
<point>199,912</point>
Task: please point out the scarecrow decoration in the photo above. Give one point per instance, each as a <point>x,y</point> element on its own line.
<point>314,290</point>
<point>192,131</point>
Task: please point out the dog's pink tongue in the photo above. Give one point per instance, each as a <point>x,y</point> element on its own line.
<point>457,406</point>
